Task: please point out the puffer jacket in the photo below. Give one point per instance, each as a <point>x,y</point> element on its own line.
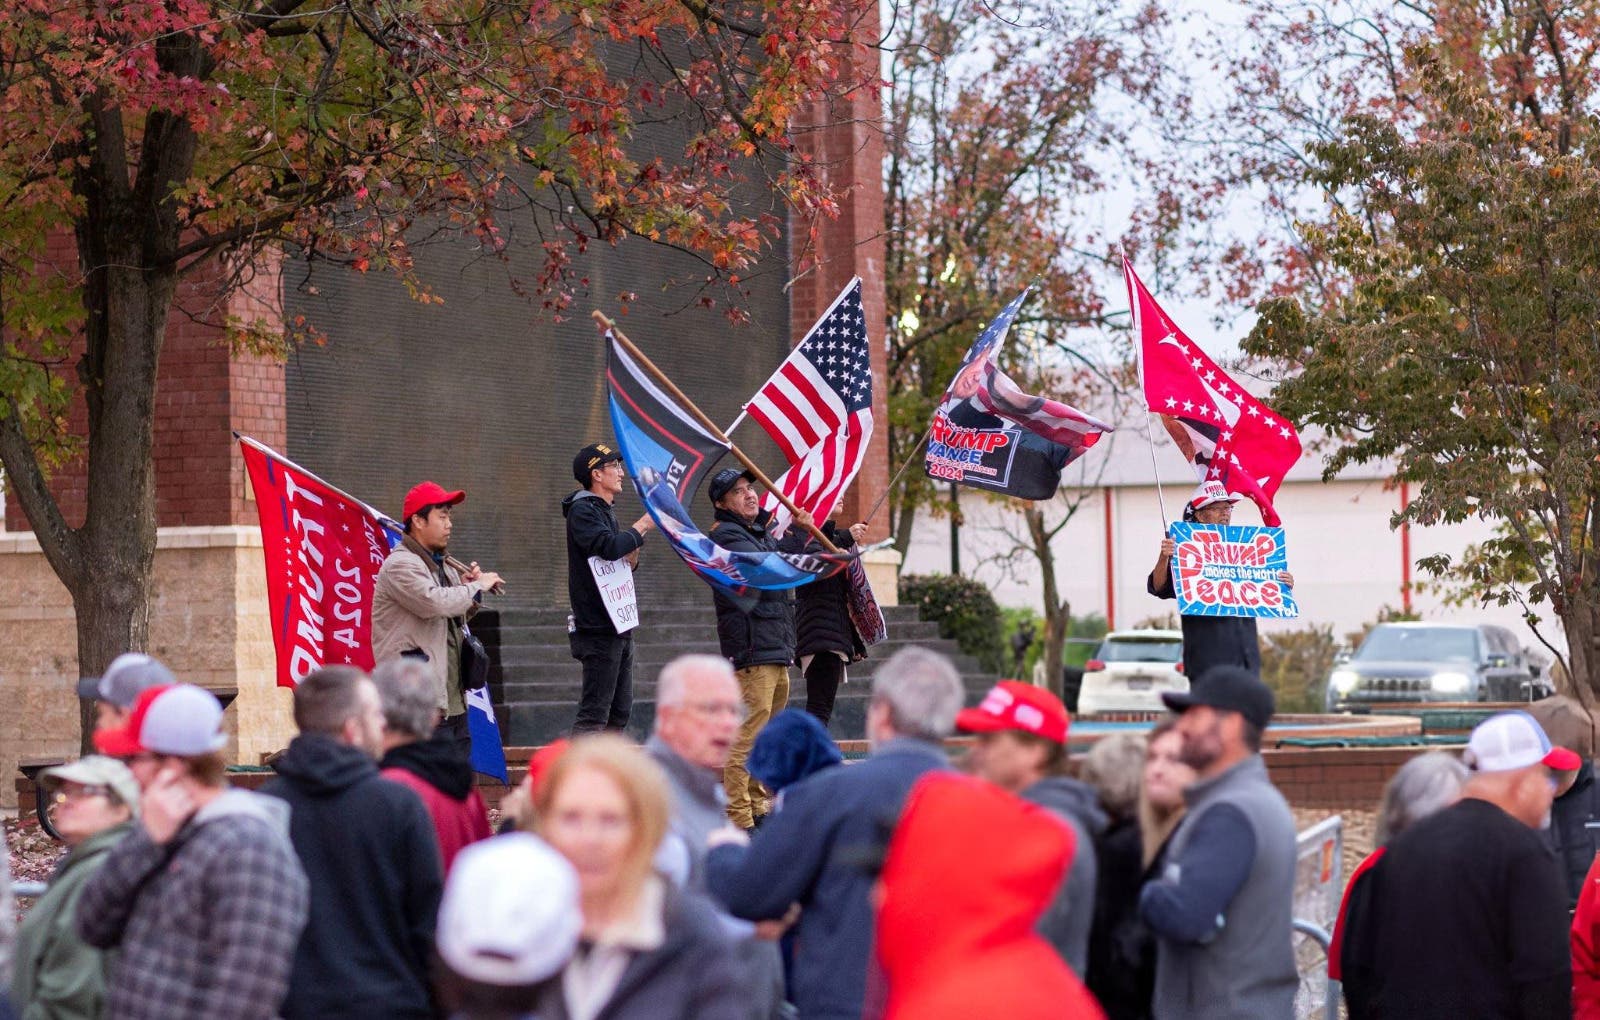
<point>822,609</point>
<point>764,635</point>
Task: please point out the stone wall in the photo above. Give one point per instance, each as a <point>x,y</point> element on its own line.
<point>208,621</point>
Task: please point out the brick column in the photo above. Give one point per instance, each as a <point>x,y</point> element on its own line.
<point>845,137</point>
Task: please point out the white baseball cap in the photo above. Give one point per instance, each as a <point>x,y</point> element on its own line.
<point>1209,492</point>
<point>1515,740</point>
<point>178,719</point>
<point>510,914</point>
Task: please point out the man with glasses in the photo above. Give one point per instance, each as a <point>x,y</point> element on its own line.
<point>595,543</point>
<point>204,899</point>
<point>1466,913</point>
<point>93,803</point>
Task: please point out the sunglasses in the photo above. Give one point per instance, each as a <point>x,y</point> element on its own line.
<point>66,793</point>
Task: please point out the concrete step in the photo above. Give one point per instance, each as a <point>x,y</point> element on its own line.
<point>681,612</point>
<point>515,676</point>
<point>653,632</point>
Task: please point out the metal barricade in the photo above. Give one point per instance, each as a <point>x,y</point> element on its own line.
<point>27,890</point>
<point>1318,888</point>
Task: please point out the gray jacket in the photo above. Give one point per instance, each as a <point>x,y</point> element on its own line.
<point>1066,921</point>
<point>699,807</point>
<point>1247,971</point>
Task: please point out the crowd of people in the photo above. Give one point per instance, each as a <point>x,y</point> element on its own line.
<point>735,867</point>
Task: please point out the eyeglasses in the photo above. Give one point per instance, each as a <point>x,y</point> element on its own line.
<point>66,793</point>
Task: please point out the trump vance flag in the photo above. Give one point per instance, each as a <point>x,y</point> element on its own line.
<point>989,434</point>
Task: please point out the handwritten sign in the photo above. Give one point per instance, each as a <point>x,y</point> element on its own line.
<point>1231,570</point>
<point>614,578</point>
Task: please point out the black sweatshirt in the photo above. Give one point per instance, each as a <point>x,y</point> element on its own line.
<point>1464,918</point>
<point>372,860</point>
<point>592,530</point>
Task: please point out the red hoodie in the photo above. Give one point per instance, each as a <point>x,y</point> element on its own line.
<point>969,870</point>
<point>1586,948</point>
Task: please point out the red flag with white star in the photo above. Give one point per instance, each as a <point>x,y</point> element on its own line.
<point>1223,430</point>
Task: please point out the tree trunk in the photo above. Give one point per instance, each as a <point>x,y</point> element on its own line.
<point>1057,613</point>
<point>904,520</point>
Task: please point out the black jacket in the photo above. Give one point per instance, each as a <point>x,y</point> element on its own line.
<point>822,609</point>
<point>1212,640</point>
<point>695,974</point>
<point>1122,950</point>
<point>592,530</point>
<point>437,761</point>
<point>764,635</point>
<point>372,861</point>
<point>1570,836</point>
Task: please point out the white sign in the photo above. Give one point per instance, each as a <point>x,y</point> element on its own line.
<point>614,578</point>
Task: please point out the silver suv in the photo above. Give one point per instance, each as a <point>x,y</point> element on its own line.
<point>1434,662</point>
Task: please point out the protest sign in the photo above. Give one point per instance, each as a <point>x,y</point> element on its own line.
<point>614,578</point>
<point>1231,570</point>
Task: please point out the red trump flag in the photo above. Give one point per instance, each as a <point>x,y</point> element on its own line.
<point>323,550</point>
<point>1221,428</point>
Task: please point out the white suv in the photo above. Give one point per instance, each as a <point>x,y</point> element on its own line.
<point>1131,670</point>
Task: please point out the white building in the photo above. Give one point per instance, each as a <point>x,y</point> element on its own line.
<point>1348,563</point>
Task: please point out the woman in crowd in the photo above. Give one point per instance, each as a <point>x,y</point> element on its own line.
<point>58,975</point>
<point>1122,951</point>
<point>825,637</point>
<point>1425,784</point>
<point>647,950</point>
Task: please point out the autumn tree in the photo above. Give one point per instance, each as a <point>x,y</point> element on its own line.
<point>1457,339</point>
<point>170,138</point>
<point>1000,134</point>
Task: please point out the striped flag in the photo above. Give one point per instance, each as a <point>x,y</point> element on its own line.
<point>818,408</point>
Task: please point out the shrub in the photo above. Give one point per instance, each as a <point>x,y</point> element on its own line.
<point>1295,664</point>
<point>965,611</point>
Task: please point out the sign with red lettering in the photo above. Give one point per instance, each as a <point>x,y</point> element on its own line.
<point>1231,570</point>
<point>323,550</point>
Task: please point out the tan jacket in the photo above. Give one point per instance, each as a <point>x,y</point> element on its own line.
<point>410,609</point>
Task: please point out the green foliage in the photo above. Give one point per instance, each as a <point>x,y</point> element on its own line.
<point>1295,664</point>
<point>966,613</point>
<point>1459,344</point>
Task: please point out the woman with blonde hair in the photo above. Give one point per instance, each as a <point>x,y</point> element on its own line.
<point>1141,780</point>
<point>647,950</point>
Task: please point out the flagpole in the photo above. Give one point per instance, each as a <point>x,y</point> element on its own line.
<point>709,425</point>
<point>268,451</point>
<point>890,487</point>
<point>1149,430</point>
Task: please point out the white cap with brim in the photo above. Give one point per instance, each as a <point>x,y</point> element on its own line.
<point>1209,492</point>
<point>97,770</point>
<point>510,915</point>
<point>1514,740</point>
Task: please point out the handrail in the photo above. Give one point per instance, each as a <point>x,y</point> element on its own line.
<point>1323,938</point>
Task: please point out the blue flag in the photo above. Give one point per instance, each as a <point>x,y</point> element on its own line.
<point>667,453</point>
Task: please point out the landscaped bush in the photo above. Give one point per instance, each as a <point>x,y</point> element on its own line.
<point>965,611</point>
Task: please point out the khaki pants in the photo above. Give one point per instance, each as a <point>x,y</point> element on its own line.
<point>765,690</point>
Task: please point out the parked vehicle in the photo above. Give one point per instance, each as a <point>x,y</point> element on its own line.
<point>1435,662</point>
<point>1130,670</point>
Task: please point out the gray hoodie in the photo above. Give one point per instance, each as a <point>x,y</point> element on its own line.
<point>1065,923</point>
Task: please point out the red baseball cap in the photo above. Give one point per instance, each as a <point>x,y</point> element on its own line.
<point>176,719</point>
<point>428,494</point>
<point>1014,705</point>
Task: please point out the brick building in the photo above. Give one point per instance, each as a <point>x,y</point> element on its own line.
<point>481,393</point>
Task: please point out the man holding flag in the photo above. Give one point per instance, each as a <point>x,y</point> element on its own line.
<point>598,546</point>
<point>758,640</point>
<point>420,603</point>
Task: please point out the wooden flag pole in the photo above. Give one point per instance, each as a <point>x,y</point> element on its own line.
<point>709,425</point>
<point>890,487</point>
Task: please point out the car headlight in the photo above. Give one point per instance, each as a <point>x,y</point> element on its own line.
<point>1451,683</point>
<point>1344,680</point>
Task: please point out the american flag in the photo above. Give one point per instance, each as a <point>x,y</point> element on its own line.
<point>818,408</point>
<point>1221,428</point>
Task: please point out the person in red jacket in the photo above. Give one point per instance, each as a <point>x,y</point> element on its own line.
<point>414,757</point>
<point>1586,948</point>
<point>968,872</point>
